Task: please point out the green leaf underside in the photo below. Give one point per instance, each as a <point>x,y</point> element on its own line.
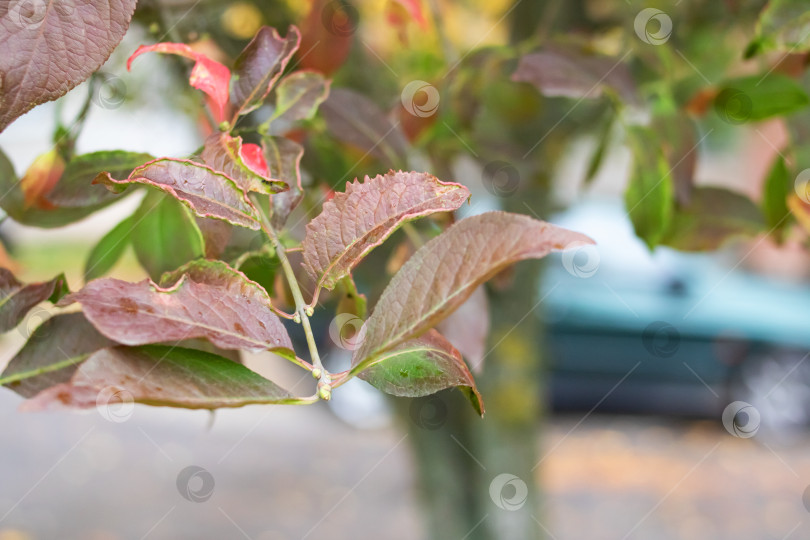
<point>164,234</point>
<point>75,188</point>
<point>444,272</point>
<point>51,354</point>
<point>421,367</point>
<point>204,299</point>
<point>223,153</point>
<point>714,216</point>
<point>163,376</point>
<point>207,192</point>
<point>108,250</point>
<point>16,298</point>
<point>355,222</point>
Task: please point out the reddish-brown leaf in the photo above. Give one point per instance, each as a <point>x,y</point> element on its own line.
<point>207,75</point>
<point>226,154</point>
<point>204,299</point>
<point>443,273</point>
<point>259,66</point>
<point>283,158</point>
<point>207,192</point>
<point>467,328</point>
<point>420,367</point>
<point>159,375</point>
<point>558,71</point>
<point>355,222</point>
<point>298,96</point>
<point>17,298</point>
<point>50,46</point>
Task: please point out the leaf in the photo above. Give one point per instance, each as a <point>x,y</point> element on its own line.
<point>40,179</point>
<point>467,328</point>
<point>160,375</point>
<point>355,222</point>
<point>784,25</point>
<point>16,298</point>
<point>261,268</point>
<point>205,299</point>
<point>778,185</point>
<point>299,95</point>
<point>52,353</point>
<point>207,192</point>
<point>108,250</point>
<point>224,153</point>
<point>259,65</point>
<point>207,75</point>
<point>758,97</point>
<point>75,189</point>
<point>566,72</point>
<point>444,272</point>
<point>326,35</point>
<point>420,367</point>
<point>800,210</point>
<point>649,196</point>
<point>216,235</point>
<point>356,120</point>
<point>352,302</point>
<point>713,216</point>
<point>12,202</point>
<point>164,234</point>
<point>415,10</point>
<point>283,158</point>
<point>41,42</point>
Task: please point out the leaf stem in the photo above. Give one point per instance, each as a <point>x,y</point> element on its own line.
<point>302,310</point>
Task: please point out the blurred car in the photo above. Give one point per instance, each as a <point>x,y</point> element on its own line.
<point>671,332</point>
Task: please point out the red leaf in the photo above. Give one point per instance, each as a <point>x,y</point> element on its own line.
<point>355,222</point>
<point>420,367</point>
<point>326,35</point>
<point>414,9</point>
<point>443,273</point>
<point>226,154</point>
<point>253,157</point>
<point>207,192</point>
<point>204,299</point>
<point>47,48</point>
<point>207,75</point>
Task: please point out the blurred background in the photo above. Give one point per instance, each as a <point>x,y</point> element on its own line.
<point>654,385</point>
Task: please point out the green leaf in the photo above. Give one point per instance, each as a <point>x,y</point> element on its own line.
<point>76,190</point>
<point>778,185</point>
<point>13,203</point>
<point>51,354</point>
<point>650,196</point>
<point>160,375</point>
<point>758,97</point>
<point>164,234</point>
<point>784,25</point>
<point>16,298</point>
<point>261,267</point>
<point>108,250</point>
<point>421,367</point>
<point>713,216</point>
<point>298,96</point>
